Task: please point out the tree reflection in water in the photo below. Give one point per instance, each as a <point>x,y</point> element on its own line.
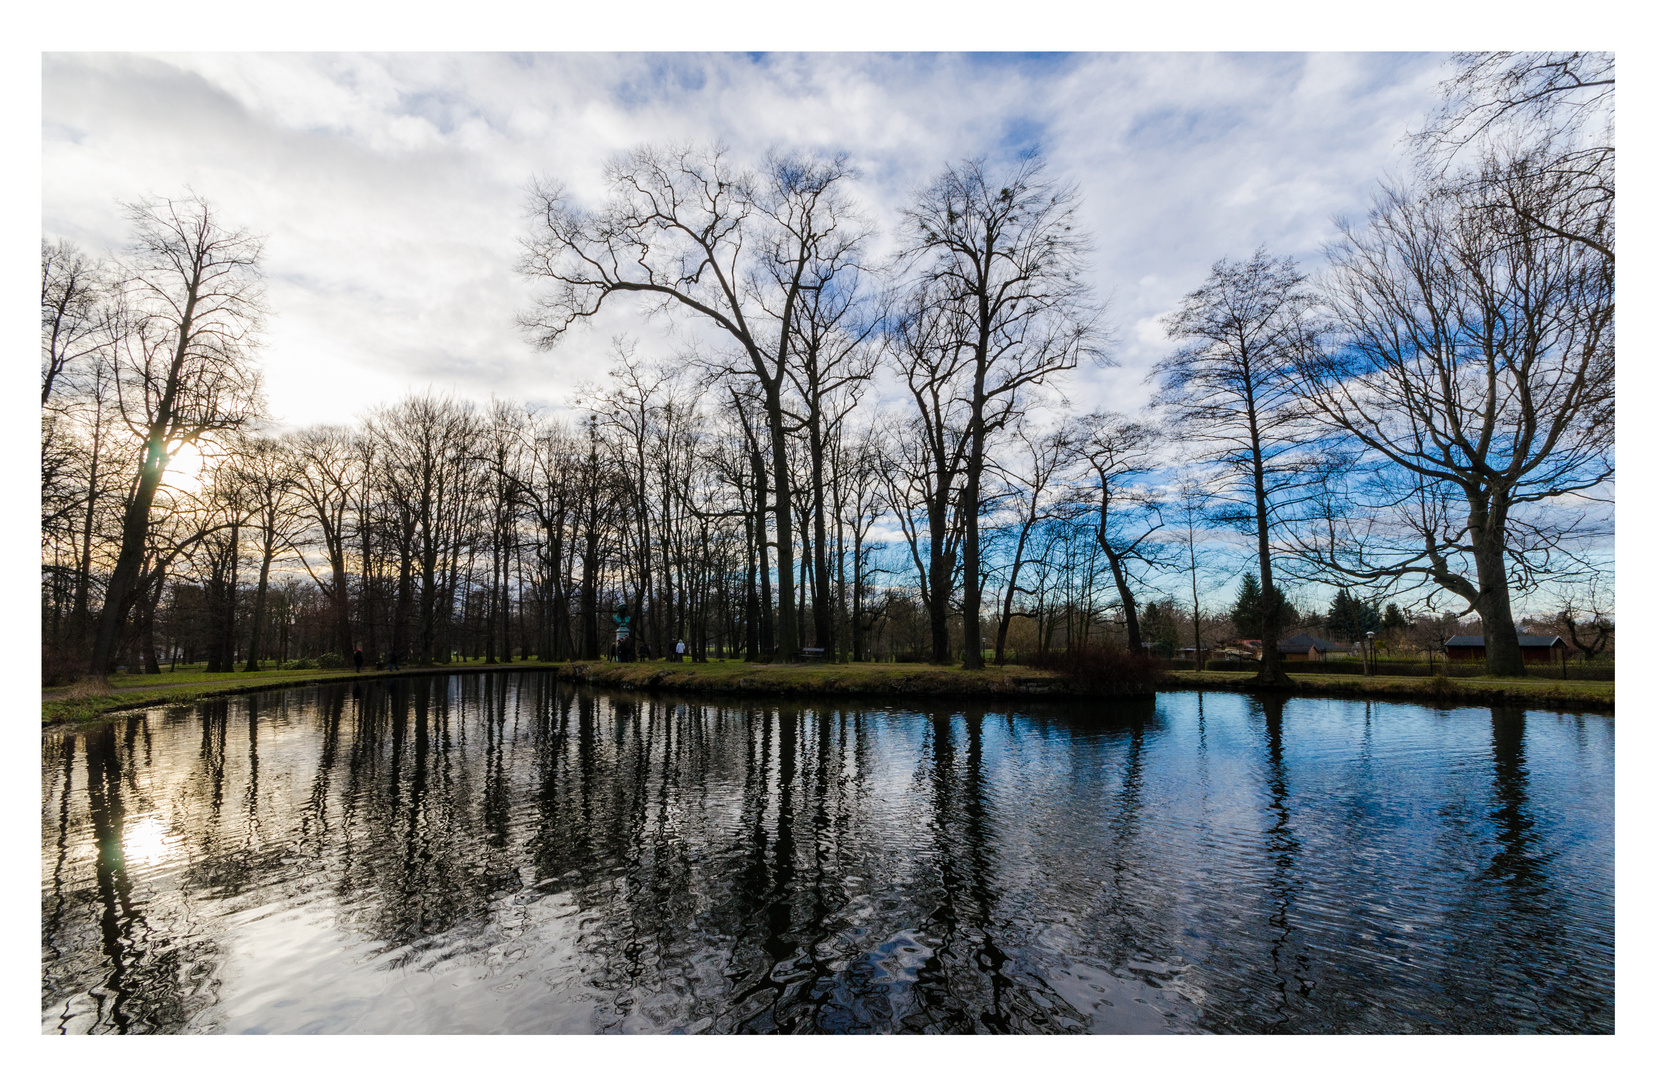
<point>507,853</point>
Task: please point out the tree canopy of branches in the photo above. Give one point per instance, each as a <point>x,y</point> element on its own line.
<point>690,233</point>
<point>1545,114</point>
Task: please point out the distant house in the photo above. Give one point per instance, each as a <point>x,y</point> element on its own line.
<point>1307,647</point>
<point>1246,649</point>
<point>1534,648</point>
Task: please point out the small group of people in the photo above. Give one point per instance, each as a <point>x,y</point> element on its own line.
<point>626,650</point>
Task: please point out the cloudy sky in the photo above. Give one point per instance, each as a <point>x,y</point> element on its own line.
<point>391,188</point>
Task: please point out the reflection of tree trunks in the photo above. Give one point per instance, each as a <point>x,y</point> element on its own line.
<point>116,915</point>
<point>958,922</point>
<point>1125,921</point>
<point>753,874</point>
<point>779,906</point>
<point>52,918</point>
<point>1283,886</point>
<point>1516,860</point>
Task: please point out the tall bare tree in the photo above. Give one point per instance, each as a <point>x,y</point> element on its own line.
<point>1005,253</point>
<point>274,505</point>
<point>195,305</point>
<point>1232,394</point>
<point>75,315</point>
<point>922,463</point>
<point>1029,473</point>
<point>1474,372</point>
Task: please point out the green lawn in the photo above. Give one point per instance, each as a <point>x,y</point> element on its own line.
<point>87,700</point>
<point>1478,689</point>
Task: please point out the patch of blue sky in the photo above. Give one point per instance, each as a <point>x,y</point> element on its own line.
<point>444,109</point>
<point>661,79</point>
<point>1036,63</point>
<point>1022,133</point>
<point>1175,125</point>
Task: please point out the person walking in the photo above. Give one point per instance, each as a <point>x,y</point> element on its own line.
<point>357,658</point>
<point>679,651</point>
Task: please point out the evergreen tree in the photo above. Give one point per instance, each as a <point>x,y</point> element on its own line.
<point>1246,608</point>
<point>1158,628</point>
<point>1393,619</point>
<point>1349,619</point>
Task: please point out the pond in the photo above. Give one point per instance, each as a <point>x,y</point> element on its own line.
<point>504,853</point>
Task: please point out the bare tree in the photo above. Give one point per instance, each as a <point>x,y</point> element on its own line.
<point>1231,391</point>
<point>1587,622</point>
<point>1190,509</point>
<point>327,474</point>
<point>195,306</point>
<point>267,475</point>
<point>427,444</point>
<point>922,463</point>
<point>1005,254</point>
<point>688,233</point>
<point>75,319</point>
<point>1474,372</point>
<point>1118,451</point>
<point>1040,457</point>
<point>835,360</point>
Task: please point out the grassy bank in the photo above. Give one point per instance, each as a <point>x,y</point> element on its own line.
<point>808,680</point>
<point>89,700</point>
<point>1437,690</point>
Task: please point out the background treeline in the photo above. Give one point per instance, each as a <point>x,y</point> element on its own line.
<point>868,450</point>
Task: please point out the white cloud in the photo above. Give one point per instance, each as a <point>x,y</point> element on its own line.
<point>391,187</point>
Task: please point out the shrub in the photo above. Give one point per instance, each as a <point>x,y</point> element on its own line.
<point>299,665</point>
<point>331,660</point>
<point>60,667</point>
<point>1105,666</point>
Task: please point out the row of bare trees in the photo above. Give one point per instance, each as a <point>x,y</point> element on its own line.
<point>850,448</point>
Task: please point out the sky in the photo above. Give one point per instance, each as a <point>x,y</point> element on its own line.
<point>391,188</point>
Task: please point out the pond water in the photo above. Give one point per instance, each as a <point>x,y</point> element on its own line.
<point>502,853</point>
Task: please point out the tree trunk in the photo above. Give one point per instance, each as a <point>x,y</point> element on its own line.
<point>1272,616</point>
<point>135,527</point>
<point>1131,617</point>
<point>768,626</point>
<point>939,580</point>
<point>259,606</point>
<point>788,642</point>
<point>1502,640</point>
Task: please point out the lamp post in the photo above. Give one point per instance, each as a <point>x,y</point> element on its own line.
<point>1370,652</point>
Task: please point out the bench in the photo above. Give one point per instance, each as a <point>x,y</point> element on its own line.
<point>813,656</point>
